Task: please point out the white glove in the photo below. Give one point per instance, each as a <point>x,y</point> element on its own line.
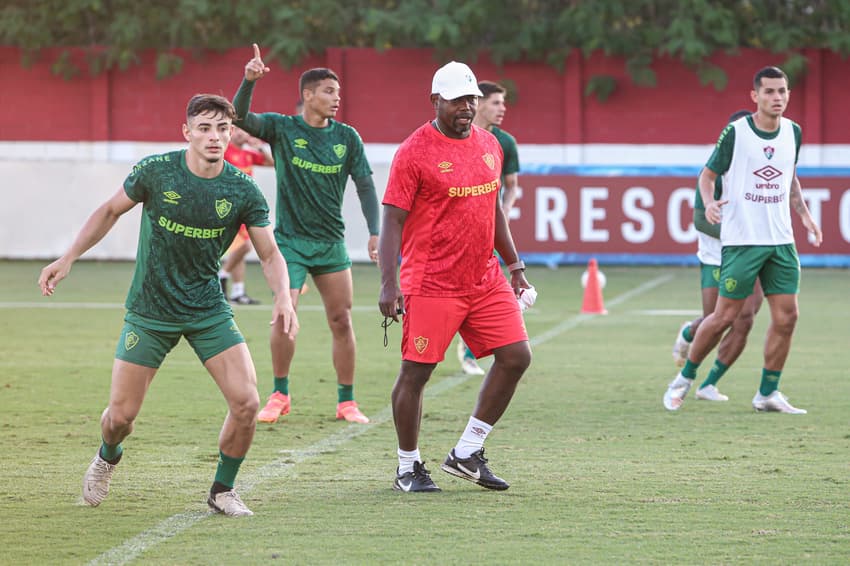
<point>526,298</point>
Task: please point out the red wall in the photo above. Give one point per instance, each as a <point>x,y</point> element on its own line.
<point>385,96</point>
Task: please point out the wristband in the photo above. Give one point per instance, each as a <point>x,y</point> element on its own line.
<point>519,264</point>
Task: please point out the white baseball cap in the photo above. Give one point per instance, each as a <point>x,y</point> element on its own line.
<point>454,80</point>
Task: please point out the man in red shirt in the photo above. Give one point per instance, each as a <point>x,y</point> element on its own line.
<point>441,210</point>
<point>243,152</point>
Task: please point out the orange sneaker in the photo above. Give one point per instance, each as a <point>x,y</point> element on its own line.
<point>277,406</point>
<point>348,410</point>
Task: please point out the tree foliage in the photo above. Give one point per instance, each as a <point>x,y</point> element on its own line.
<point>113,33</point>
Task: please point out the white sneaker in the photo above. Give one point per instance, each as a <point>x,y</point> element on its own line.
<point>461,351</point>
<point>710,393</point>
<point>681,346</point>
<point>776,402</point>
<point>96,481</point>
<point>471,367</point>
<point>467,363</point>
<point>228,502</point>
<point>676,391</point>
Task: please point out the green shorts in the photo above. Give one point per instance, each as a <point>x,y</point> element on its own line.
<point>146,342</point>
<point>778,267</point>
<point>709,276</point>
<point>315,258</point>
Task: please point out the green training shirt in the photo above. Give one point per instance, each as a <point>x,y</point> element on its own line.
<point>312,166</point>
<point>509,148</point>
<point>187,224</point>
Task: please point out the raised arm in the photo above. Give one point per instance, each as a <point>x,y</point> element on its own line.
<point>96,227</point>
<point>254,69</point>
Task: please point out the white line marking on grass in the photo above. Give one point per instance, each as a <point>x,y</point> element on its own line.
<point>236,308</point>
<point>282,466</point>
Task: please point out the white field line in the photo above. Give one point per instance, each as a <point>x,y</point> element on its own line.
<point>47,304</point>
<point>282,466</point>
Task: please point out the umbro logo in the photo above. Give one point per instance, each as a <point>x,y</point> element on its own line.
<point>171,197</point>
<point>300,143</point>
<point>445,166</point>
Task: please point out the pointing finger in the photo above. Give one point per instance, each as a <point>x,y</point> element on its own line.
<point>256,51</point>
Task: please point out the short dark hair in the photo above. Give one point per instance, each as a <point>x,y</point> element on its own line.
<point>214,103</point>
<point>489,87</point>
<point>768,73</point>
<point>738,115</point>
<point>311,77</point>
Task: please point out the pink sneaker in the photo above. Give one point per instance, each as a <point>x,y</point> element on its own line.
<point>277,406</point>
<point>348,410</point>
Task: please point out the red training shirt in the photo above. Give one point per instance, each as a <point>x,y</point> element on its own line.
<point>244,159</point>
<point>450,189</point>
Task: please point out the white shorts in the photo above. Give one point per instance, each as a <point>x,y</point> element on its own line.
<point>709,249</point>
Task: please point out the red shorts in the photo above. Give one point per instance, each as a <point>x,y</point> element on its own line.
<point>485,322</point>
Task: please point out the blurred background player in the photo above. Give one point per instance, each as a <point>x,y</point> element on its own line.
<point>490,113</point>
<point>734,341</point>
<point>314,157</point>
<point>243,152</point>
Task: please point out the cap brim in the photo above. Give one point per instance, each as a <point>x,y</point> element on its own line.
<point>452,94</point>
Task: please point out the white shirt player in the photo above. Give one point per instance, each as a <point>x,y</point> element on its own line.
<point>757,169</point>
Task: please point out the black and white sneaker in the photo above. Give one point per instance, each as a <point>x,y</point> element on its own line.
<point>417,480</point>
<point>244,300</point>
<point>473,469</point>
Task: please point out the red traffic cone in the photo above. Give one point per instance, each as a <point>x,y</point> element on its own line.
<point>592,303</point>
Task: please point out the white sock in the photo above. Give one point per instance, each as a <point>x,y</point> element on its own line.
<point>681,380</point>
<point>472,439</point>
<point>238,290</point>
<point>406,459</point>
<point>222,274</point>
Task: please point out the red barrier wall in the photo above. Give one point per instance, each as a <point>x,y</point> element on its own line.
<point>385,96</point>
<point>648,215</point>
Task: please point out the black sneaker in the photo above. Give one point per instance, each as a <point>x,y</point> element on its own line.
<point>473,469</point>
<point>244,300</point>
<point>417,480</point>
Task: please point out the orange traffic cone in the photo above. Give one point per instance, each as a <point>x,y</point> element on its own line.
<point>592,303</point>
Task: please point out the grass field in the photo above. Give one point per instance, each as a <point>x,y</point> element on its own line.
<point>600,473</point>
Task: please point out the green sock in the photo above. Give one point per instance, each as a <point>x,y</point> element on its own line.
<point>769,381</point>
<point>227,469</point>
<point>281,385</point>
<point>690,369</point>
<point>345,392</point>
<point>110,452</point>
<point>469,354</point>
<point>717,371</point>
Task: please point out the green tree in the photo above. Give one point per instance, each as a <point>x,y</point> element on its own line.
<point>113,33</point>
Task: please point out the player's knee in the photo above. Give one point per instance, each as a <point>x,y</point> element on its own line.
<point>244,410</point>
<point>745,322</point>
<point>340,322</point>
<point>116,419</point>
<point>786,320</point>
<point>515,359</point>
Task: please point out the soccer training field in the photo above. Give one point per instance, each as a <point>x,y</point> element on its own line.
<point>600,473</point>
